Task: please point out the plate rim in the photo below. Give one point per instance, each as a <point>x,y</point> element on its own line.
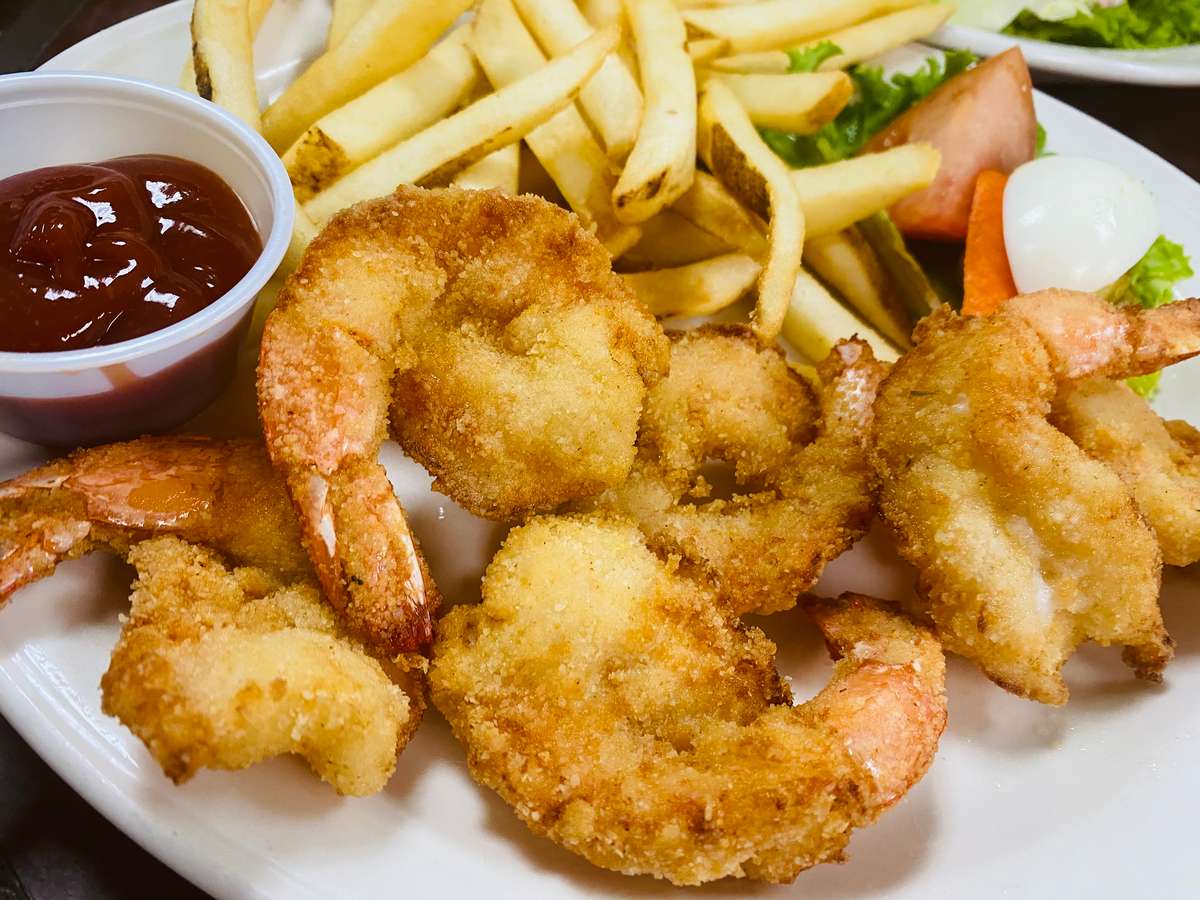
<point>176,847</point>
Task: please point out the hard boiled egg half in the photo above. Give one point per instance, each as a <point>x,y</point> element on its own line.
<point>1075,223</point>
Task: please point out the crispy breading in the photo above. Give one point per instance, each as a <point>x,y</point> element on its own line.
<point>625,713</point>
<point>1159,461</point>
<point>1025,546</point>
<point>803,483</point>
<point>222,668</point>
<point>491,334</point>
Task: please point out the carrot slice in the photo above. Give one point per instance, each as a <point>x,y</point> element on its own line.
<point>987,278</point>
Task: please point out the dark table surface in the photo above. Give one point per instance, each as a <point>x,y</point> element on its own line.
<point>52,844</point>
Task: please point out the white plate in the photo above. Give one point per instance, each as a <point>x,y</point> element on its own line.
<point>1092,800</point>
<point>1172,67</point>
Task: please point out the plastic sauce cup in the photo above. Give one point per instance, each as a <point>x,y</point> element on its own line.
<point>157,381</point>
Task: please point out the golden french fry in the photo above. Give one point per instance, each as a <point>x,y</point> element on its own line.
<point>876,36</point>
<point>699,289</point>
<point>837,195</point>
<point>801,102</point>
<point>612,100</point>
<point>705,50</point>
<point>777,24</point>
<point>393,110</point>
<point>345,14</point>
<point>257,11</point>
<point>390,36</point>
<point>663,160</point>
<point>846,262</point>
<point>669,240</point>
<point>564,145</point>
<point>764,62</point>
<point>223,56</point>
<point>737,155</point>
<point>815,321</point>
<point>499,170</point>
<point>446,148</point>
<point>708,205</point>
<point>602,14</point>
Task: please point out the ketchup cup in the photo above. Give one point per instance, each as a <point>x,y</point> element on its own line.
<point>157,381</point>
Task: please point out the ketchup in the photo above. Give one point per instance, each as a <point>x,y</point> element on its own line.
<point>104,252</point>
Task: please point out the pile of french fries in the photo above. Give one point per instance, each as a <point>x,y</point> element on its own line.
<point>642,116</point>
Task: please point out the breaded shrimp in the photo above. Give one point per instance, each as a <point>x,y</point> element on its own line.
<point>222,668</point>
<point>1025,547</point>
<point>491,335</point>
<point>803,494</point>
<point>1159,461</point>
<point>223,494</point>
<point>215,667</point>
<point>626,714</point>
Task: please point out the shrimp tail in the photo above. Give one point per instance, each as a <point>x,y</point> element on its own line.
<point>1086,336</point>
<point>221,494</point>
<point>888,697</point>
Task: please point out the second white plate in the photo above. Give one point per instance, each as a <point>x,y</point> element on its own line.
<point>1174,67</point>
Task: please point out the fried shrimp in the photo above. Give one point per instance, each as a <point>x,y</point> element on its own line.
<point>491,334</point>
<point>626,714</point>
<point>798,502</point>
<point>1159,461</point>
<point>1025,546</point>
<point>223,494</point>
<point>216,667</point>
<point>222,668</point>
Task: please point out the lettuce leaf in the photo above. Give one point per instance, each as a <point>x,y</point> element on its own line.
<point>1135,25</point>
<point>1152,281</point>
<point>878,101</point>
<point>808,59</point>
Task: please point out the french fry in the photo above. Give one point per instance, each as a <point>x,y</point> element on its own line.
<point>345,14</point>
<point>564,145</point>
<point>800,102</point>
<point>737,156</point>
<point>390,37</point>
<point>699,289</point>
<point>837,195</point>
<point>393,110</point>
<point>612,100</point>
<point>257,11</point>
<point>764,62</point>
<point>602,14</point>
<point>446,148</point>
<point>846,263</point>
<point>776,24</point>
<point>869,39</point>
<point>815,321</point>
<point>663,161</point>
<point>223,56</point>
<point>708,205</point>
<point>669,240</point>
<point>705,50</point>
<point>499,170</point>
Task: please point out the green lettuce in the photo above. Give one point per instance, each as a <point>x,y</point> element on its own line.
<point>1135,25</point>
<point>878,101</point>
<point>809,59</point>
<point>1152,283</point>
